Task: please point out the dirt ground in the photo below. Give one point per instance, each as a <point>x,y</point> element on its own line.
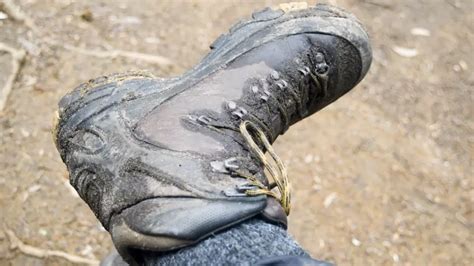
<point>383,176</point>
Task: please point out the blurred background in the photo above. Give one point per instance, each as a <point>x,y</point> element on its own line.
<point>383,176</point>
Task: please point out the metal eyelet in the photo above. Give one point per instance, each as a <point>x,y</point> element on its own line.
<point>205,120</point>
<point>305,71</point>
<point>231,105</point>
<point>240,112</point>
<point>321,65</point>
<point>282,84</point>
<point>319,58</point>
<point>254,89</point>
<point>231,164</point>
<point>322,68</point>
<point>275,75</point>
<point>245,187</point>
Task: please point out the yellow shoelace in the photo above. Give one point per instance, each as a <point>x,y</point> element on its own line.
<point>278,174</point>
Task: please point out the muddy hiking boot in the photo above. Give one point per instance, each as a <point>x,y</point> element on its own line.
<point>164,163</point>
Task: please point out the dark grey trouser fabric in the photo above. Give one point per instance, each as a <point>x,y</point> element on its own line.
<point>253,242</point>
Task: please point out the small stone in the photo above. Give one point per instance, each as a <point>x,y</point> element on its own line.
<point>356,242</point>
<point>25,133</point>
<point>420,32</point>
<point>3,15</point>
<point>34,188</point>
<point>463,65</point>
<point>152,40</point>
<point>405,52</point>
<point>329,199</point>
<point>87,251</point>
<point>395,258</point>
<point>395,237</point>
<point>43,232</point>
<point>130,20</point>
<point>308,158</point>
<point>87,15</point>
<point>322,244</point>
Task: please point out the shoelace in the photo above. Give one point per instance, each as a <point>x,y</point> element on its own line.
<point>278,174</point>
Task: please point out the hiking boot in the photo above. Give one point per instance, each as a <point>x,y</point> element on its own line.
<point>164,163</point>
